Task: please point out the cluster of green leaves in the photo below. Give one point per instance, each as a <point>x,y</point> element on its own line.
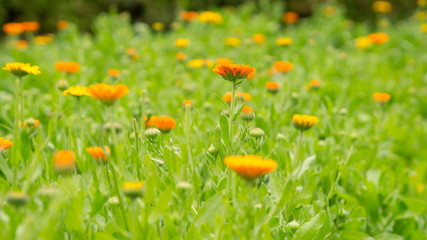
<point>364,168</point>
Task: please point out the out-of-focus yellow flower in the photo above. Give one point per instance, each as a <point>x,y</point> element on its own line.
<point>180,56</point>
<point>42,40</point>
<point>188,16</point>
<point>363,42</point>
<point>99,153</point>
<point>77,91</point>
<point>133,189</point>
<point>13,28</point>
<point>421,15</point>
<point>61,24</point>
<point>5,144</point>
<point>422,3</point>
<point>259,38</point>
<point>21,69</point>
<point>419,187</point>
<point>232,41</point>
<point>182,42</point>
<point>250,167</point>
<point>113,72</point>
<point>304,122</point>
<point>284,41</point>
<point>106,93</point>
<point>67,67</point>
<point>283,67</point>
<point>381,97</point>
<point>158,26</point>
<point>209,63</point>
<point>233,72</point>
<point>378,38</point>
<point>64,161</point>
<point>210,17</point>
<point>329,11</point>
<point>224,61</point>
<point>381,6</point>
<point>196,63</point>
<point>22,44</point>
<point>423,28</point>
<point>164,123</point>
<point>290,17</point>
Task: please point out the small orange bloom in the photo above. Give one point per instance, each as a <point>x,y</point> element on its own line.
<point>314,84</point>
<point>272,87</point>
<point>242,96</point>
<point>223,61</point>
<point>233,72</point>
<point>250,166</point>
<point>5,144</point>
<point>30,26</point>
<point>67,67</point>
<point>258,38</point>
<point>283,66</point>
<point>13,28</point>
<point>187,103</point>
<point>188,16</point>
<point>378,38</point>
<point>113,72</point>
<point>99,153</point>
<point>181,56</point>
<point>61,24</point>
<point>247,114</point>
<point>132,53</point>
<point>21,44</point>
<point>164,123</point>
<point>106,93</point>
<point>64,161</point>
<point>381,97</point>
<point>290,17</point>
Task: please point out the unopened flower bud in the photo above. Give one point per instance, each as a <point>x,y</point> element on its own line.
<point>294,225</point>
<point>187,104</point>
<point>212,150</point>
<point>152,134</point>
<point>133,189</point>
<point>110,126</point>
<point>256,133</point>
<point>184,185</point>
<point>62,85</point>
<point>247,114</point>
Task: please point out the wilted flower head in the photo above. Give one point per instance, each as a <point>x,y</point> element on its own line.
<point>381,6</point>
<point>77,91</point>
<point>5,144</point>
<point>210,17</point>
<point>381,97</point>
<point>232,41</point>
<point>188,16</point>
<point>272,87</point>
<point>182,42</point>
<point>233,72</point>
<point>284,41</point>
<point>283,67</point>
<point>67,67</point>
<point>258,38</point>
<point>21,69</point>
<point>106,93</point>
<point>290,17</point>
<point>99,153</point>
<point>378,38</point>
<point>304,122</point>
<point>250,167</point>
<point>164,123</point>
<point>64,161</point>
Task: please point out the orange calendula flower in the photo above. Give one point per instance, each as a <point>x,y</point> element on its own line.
<point>67,67</point>
<point>259,38</point>
<point>284,41</point>
<point>304,122</point>
<point>242,96</point>
<point>182,42</point>
<point>21,69</point>
<point>132,53</point>
<point>188,16</point>
<point>250,167</point>
<point>233,72</point>
<point>5,144</point>
<point>363,43</point>
<point>224,61</point>
<point>315,84</point>
<point>64,161</point>
<point>42,40</point>
<point>113,72</point>
<point>22,44</point>
<point>283,66</point>
<point>61,24</point>
<point>180,56</point>
<point>232,41</point>
<point>272,87</point>
<point>210,17</point>
<point>99,153</point>
<point>381,6</point>
<point>106,93</point>
<point>77,91</point>
<point>133,189</point>
<point>378,38</point>
<point>13,28</point>
<point>30,26</point>
<point>164,123</point>
<point>381,97</point>
<point>290,17</point>
<point>188,103</point>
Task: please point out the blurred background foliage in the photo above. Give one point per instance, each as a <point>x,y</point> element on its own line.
<point>83,12</point>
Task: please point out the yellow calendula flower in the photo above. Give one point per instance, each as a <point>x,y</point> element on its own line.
<point>158,26</point>
<point>232,41</point>
<point>21,69</point>
<point>381,6</point>
<point>5,144</point>
<point>423,28</point>
<point>421,15</point>
<point>182,42</point>
<point>363,43</point>
<point>422,3</point>
<point>42,40</point>
<point>77,91</point>
<point>284,41</point>
<point>133,189</point>
<point>250,167</point>
<point>210,17</point>
<point>304,122</point>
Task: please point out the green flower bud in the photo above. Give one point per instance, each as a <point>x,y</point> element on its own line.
<point>62,85</point>
<point>16,198</point>
<point>152,134</point>
<point>256,133</point>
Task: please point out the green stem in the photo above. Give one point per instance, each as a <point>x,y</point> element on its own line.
<point>298,149</point>
<point>231,116</point>
<point>187,136</point>
<point>21,98</point>
<point>135,130</point>
<point>16,123</point>
<point>82,125</point>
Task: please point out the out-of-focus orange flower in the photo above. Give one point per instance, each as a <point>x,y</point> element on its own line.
<point>250,166</point>
<point>272,87</point>
<point>132,53</point>
<point>13,28</point>
<point>106,93</point>
<point>164,123</point>
<point>242,96</point>
<point>61,24</point>
<point>42,40</point>
<point>99,153</point>
<point>30,26</point>
<point>67,67</point>
<point>182,42</point>
<point>381,97</point>
<point>224,61</point>
<point>187,103</point>
<point>283,66</point>
<point>315,84</point>
<point>363,42</point>
<point>22,44</point>
<point>233,72</point>
<point>113,72</point>
<point>284,41</point>
<point>232,41</point>
<point>5,144</point>
<point>64,161</point>
<point>210,17</point>
<point>180,56</point>
<point>378,38</point>
<point>290,17</point>
<point>188,16</point>
<point>381,6</point>
<point>77,91</point>
<point>259,38</point>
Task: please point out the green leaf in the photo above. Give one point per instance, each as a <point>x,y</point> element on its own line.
<point>310,229</point>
